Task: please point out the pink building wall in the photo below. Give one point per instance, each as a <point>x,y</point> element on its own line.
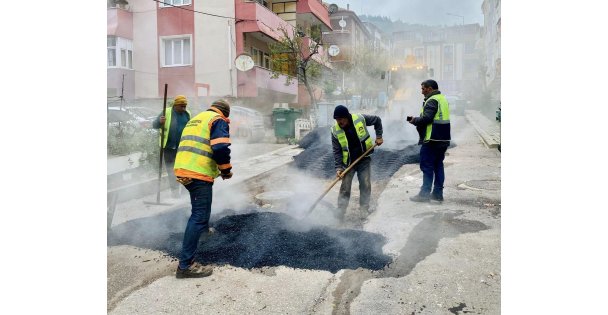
<point>180,80</point>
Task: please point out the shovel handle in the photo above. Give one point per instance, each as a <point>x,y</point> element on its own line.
<point>340,177</point>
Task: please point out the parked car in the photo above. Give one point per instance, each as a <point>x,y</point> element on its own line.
<point>133,115</point>
<point>246,123</point>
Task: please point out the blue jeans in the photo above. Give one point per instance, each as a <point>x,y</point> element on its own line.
<point>201,193</point>
<point>363,169</point>
<point>432,154</point>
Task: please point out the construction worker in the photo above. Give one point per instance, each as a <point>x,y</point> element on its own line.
<point>174,120</point>
<point>350,139</point>
<point>202,156</point>
<point>433,127</point>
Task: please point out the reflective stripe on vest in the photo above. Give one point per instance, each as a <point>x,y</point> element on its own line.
<point>194,152</point>
<point>168,114</point>
<point>362,133</point>
<point>439,130</point>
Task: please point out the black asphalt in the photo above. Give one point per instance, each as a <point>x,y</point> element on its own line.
<point>259,239</point>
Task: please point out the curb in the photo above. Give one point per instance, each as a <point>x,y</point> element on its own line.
<point>489,136</point>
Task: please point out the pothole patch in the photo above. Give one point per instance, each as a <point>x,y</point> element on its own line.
<point>484,184</point>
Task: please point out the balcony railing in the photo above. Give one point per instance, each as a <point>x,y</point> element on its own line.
<point>120,23</point>
<point>257,18</point>
<point>250,82</point>
<point>316,8</point>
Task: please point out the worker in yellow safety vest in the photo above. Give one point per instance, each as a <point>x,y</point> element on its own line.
<point>350,139</point>
<point>433,127</point>
<point>202,156</point>
<point>174,120</point>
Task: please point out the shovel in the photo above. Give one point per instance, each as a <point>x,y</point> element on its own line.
<point>339,178</point>
<point>160,163</point>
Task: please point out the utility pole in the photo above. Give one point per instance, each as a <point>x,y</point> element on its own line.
<point>122,91</point>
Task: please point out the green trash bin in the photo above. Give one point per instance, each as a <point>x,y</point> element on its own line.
<point>283,120</point>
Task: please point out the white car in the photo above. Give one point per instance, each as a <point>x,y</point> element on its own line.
<point>246,123</point>
<point>137,116</point>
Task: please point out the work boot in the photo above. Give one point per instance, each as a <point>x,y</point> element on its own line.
<point>438,198</point>
<point>193,271</point>
<point>420,198</point>
<point>365,210</point>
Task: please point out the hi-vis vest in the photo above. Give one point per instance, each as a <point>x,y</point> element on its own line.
<point>168,112</point>
<point>194,152</point>
<point>359,123</point>
<point>439,130</point>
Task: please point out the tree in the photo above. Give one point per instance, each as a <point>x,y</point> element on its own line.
<point>293,55</point>
<point>367,69</point>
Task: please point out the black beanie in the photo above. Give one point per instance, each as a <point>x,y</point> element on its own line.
<point>341,112</point>
<point>223,106</point>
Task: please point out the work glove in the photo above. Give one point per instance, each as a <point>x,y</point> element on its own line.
<point>339,172</point>
<point>226,175</point>
<point>379,141</point>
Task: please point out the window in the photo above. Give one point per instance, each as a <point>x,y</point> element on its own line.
<point>448,52</point>
<point>260,58</point>
<point>266,61</point>
<point>120,53</point>
<point>170,3</point>
<point>123,58</point>
<point>112,5</point>
<point>263,2</point>
<point>176,52</point>
<point>111,51</point>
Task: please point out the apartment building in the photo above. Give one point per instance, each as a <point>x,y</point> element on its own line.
<point>491,45</point>
<point>259,25</point>
<point>191,46</point>
<point>351,36</point>
<point>449,55</point>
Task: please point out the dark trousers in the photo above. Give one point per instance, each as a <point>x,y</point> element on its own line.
<point>363,170</point>
<point>169,157</point>
<point>432,154</point>
<point>201,193</point>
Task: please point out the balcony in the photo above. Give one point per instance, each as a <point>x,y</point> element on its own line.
<point>258,82</point>
<point>314,12</point>
<point>120,23</point>
<point>251,17</point>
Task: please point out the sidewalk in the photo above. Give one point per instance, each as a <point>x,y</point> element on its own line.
<point>244,169</point>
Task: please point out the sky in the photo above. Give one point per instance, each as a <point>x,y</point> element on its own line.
<point>429,12</point>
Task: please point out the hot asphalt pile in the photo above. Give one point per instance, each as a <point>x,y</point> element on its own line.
<point>317,158</point>
<point>259,239</point>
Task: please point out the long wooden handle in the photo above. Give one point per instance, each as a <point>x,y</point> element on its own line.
<point>339,178</point>
<point>162,137</point>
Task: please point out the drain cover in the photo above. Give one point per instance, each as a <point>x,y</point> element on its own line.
<point>489,184</point>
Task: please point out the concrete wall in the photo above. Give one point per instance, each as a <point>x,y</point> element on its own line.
<point>215,47</point>
<point>145,48</point>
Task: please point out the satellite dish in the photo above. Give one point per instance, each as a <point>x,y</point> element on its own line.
<point>333,50</point>
<point>342,23</point>
<point>244,62</point>
<point>332,8</point>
